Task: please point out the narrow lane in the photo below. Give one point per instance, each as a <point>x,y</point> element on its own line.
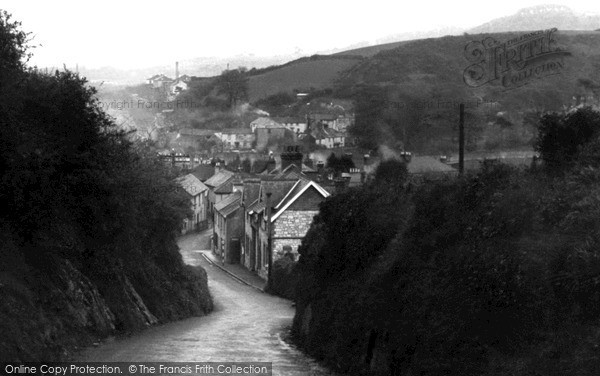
<point>246,325</point>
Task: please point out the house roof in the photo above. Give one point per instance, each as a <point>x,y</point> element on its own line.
<point>203,172</point>
<point>296,192</point>
<point>229,204</point>
<point>277,187</point>
<point>256,207</point>
<point>160,77</point>
<point>290,120</point>
<point>191,184</point>
<point>265,122</point>
<point>427,165</point>
<point>237,131</point>
<point>226,187</point>
<point>320,132</point>
<point>251,191</point>
<point>219,178</point>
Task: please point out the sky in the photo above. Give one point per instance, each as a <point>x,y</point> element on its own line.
<point>129,33</point>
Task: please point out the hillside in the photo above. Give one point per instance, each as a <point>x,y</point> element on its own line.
<point>541,17</point>
<point>318,72</point>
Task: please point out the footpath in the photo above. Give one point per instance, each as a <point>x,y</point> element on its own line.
<point>236,271</point>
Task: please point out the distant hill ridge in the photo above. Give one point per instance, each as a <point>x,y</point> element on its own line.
<point>540,17</point>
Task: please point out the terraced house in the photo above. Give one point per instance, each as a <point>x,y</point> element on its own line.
<point>198,194</point>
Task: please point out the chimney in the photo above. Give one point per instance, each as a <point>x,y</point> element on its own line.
<point>320,166</point>
<point>292,155</point>
<point>271,164</point>
<point>176,70</point>
<point>238,184</point>
<point>406,156</point>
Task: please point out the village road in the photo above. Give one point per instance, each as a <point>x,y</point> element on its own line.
<point>246,325</point>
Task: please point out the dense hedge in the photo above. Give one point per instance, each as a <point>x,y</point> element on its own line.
<point>492,273</point>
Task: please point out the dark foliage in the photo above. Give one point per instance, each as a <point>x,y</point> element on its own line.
<point>80,193</point>
<point>341,164</point>
<point>560,136</point>
<point>491,266</point>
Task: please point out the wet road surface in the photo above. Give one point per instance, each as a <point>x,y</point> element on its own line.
<point>246,325</point>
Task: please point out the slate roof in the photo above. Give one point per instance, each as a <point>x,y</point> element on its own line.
<point>191,184</point>
<point>229,204</point>
<point>278,188</point>
<point>224,188</point>
<point>203,172</point>
<point>297,191</point>
<point>251,191</point>
<point>219,178</point>
<point>428,165</point>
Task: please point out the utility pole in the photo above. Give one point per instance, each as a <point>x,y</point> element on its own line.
<point>269,240</point>
<point>461,140</point>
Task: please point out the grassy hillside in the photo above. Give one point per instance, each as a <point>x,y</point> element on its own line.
<point>317,72</point>
<point>421,83</point>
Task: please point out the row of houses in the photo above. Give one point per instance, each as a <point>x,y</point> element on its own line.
<point>259,218</point>
<point>263,132</point>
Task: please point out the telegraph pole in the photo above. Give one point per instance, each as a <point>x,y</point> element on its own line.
<point>269,240</point>
<point>461,140</point>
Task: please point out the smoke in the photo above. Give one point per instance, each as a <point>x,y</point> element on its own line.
<point>387,153</point>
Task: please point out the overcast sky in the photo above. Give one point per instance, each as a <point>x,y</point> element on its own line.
<point>128,33</point>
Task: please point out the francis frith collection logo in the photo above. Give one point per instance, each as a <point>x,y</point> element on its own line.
<point>515,62</point>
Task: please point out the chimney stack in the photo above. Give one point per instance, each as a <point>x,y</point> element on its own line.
<point>292,155</point>
<point>176,70</point>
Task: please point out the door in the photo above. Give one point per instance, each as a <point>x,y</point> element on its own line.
<point>234,251</point>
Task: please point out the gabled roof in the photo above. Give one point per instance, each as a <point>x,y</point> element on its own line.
<point>229,204</point>
<point>191,184</point>
<point>296,192</point>
<point>226,187</point>
<point>265,122</point>
<point>219,178</point>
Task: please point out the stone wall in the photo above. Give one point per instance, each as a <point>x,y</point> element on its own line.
<point>289,229</point>
<point>293,224</point>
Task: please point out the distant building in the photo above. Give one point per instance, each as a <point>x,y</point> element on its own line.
<point>228,230</point>
<point>264,122</point>
<point>296,125</point>
<point>198,194</point>
<point>237,138</point>
<point>159,81</point>
<point>179,85</point>
<point>197,139</point>
<point>215,182</point>
<point>328,137</point>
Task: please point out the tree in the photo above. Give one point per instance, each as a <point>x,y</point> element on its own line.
<point>561,136</point>
<point>391,171</point>
<point>234,85</point>
<point>342,164</point>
